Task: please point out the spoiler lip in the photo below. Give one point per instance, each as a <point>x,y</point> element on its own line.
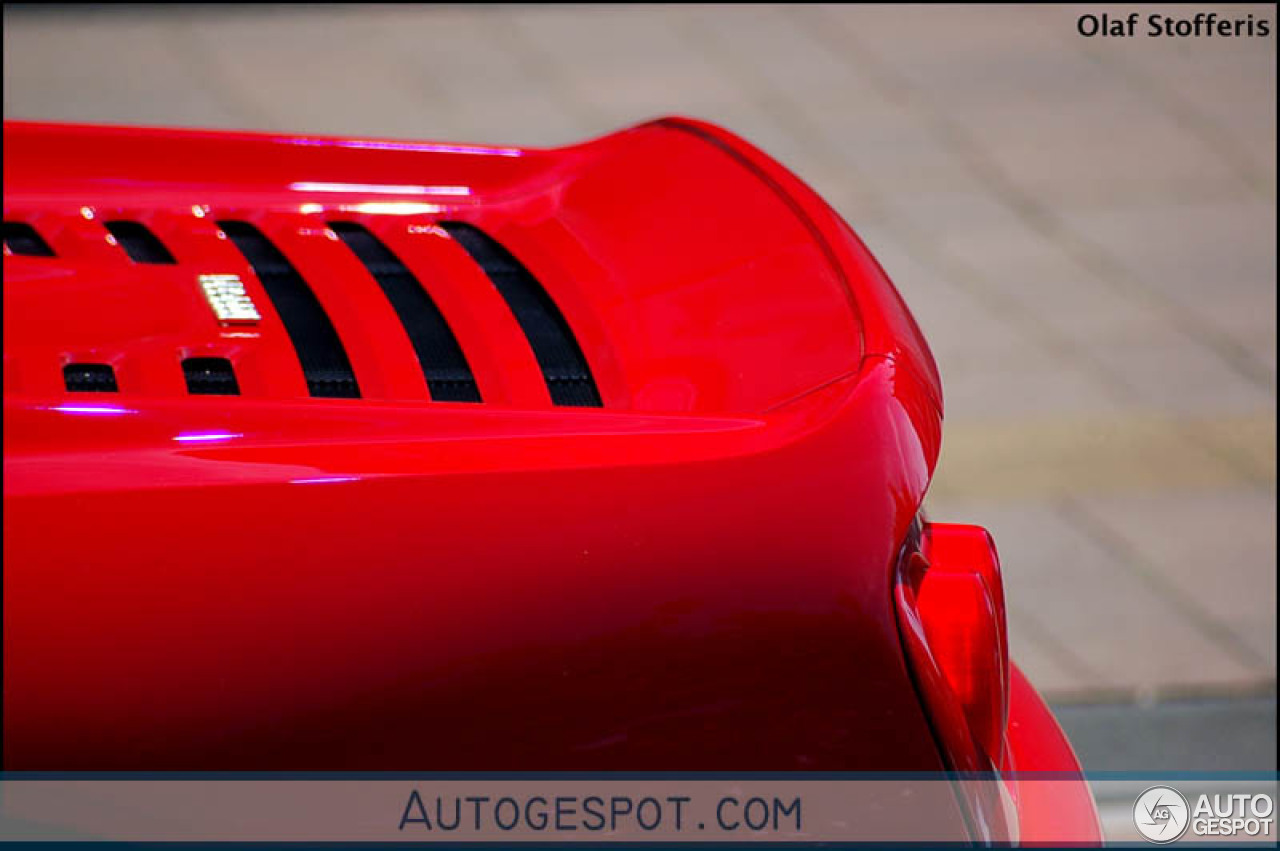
<point>885,323</point>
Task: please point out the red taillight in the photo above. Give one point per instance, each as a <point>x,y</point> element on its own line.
<point>951,609</point>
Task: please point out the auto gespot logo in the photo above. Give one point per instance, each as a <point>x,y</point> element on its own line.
<point>1162,815</point>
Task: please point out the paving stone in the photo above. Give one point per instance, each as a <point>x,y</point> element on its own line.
<point>605,59</point>
<point>1052,668</point>
<point>891,145</point>
<point>778,43</point>
<point>1261,343</point>
<point>1031,385</point>
<point>393,93</point>
<point>1188,248</point>
<point>1211,266</point>
<point>1100,150</point>
<point>1045,280</point>
<point>1170,373</point>
<point>1080,453</point>
<point>1248,442</point>
<point>122,70</point>
<point>1227,566</point>
<point>941,34</point>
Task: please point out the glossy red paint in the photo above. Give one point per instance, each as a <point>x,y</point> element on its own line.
<point>697,575</point>
<point>1053,802</point>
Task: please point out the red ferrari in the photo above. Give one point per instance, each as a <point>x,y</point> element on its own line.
<point>347,454</point>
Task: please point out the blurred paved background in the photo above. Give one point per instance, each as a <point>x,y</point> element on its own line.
<point>1085,228</point>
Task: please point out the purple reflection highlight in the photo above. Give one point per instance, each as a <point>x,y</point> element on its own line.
<point>206,436</point>
<point>378,188</point>
<point>428,147</point>
<point>92,409</point>
<point>324,480</point>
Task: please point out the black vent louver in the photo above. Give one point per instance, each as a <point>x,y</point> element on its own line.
<point>210,377</point>
<point>563,366</point>
<point>449,378</point>
<point>324,360</point>
<point>22,238</point>
<point>90,378</point>
<point>139,243</point>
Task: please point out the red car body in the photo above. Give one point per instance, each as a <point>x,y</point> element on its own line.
<point>672,527</point>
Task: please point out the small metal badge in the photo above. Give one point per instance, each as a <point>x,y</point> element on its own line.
<point>227,296</point>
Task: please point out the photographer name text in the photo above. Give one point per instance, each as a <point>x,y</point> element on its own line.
<point>1159,25</point>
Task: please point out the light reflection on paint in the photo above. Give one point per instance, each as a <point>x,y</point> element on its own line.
<point>197,211</point>
<point>307,209</point>
<point>324,480</point>
<point>92,409</point>
<point>392,208</point>
<point>206,437</point>
<point>379,188</point>
<point>87,212</point>
<point>426,147</point>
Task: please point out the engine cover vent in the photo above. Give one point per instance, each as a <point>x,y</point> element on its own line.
<point>22,238</point>
<point>90,378</point>
<point>210,377</point>
<point>449,378</point>
<point>563,366</point>
<point>324,360</point>
<point>139,243</point>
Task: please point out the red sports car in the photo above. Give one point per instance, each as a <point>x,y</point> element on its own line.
<point>328,454</point>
